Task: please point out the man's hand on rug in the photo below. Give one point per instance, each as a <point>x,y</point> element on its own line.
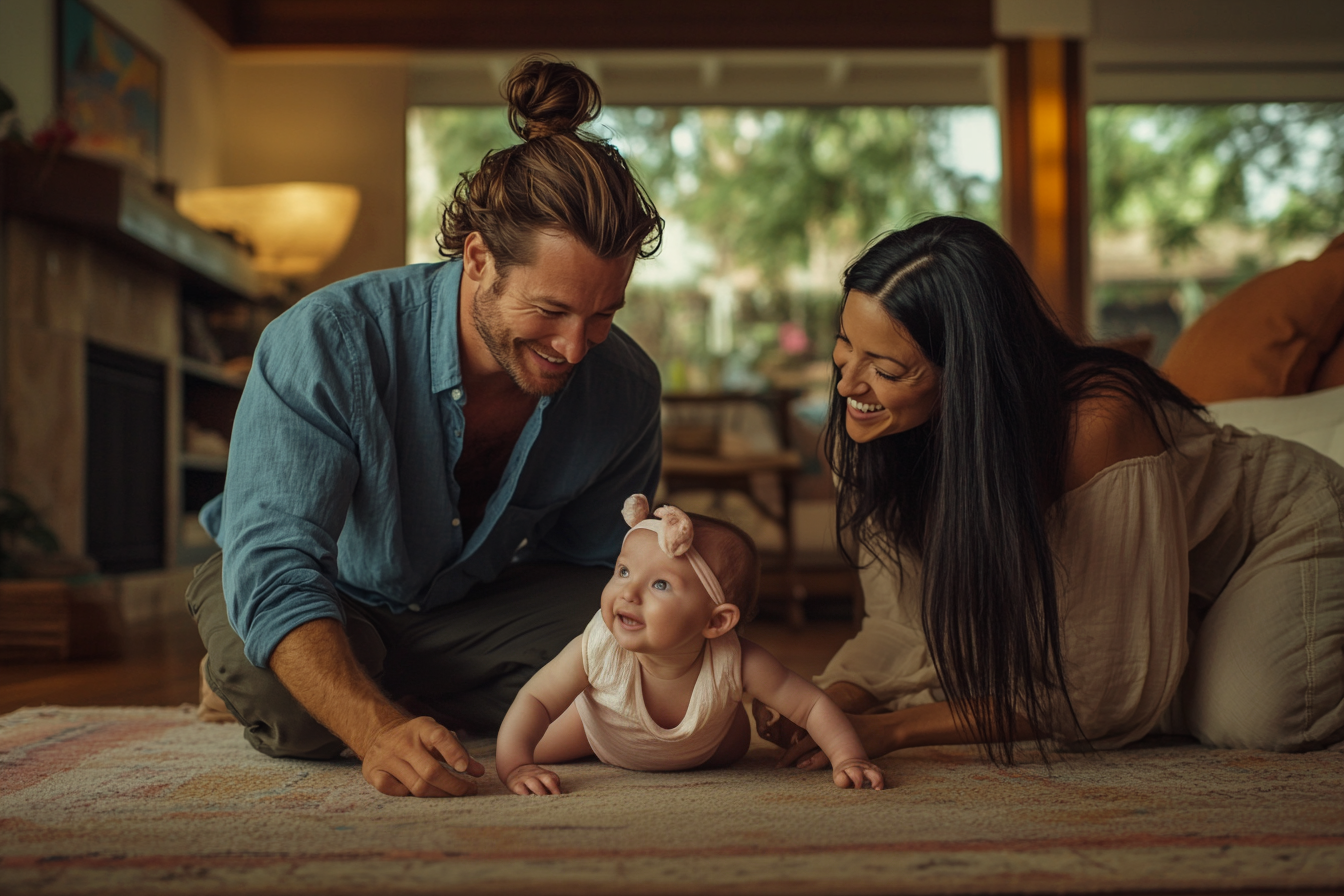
<point>533,780</point>
<point>404,759</point>
<point>856,773</point>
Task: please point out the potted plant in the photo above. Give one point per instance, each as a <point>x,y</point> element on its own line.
<point>53,605</point>
<point>19,523</point>
<point>34,613</point>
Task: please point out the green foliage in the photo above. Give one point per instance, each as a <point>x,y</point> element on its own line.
<point>769,192</point>
<point>760,185</point>
<point>20,523</point>
<point>450,142</point>
<point>765,185</point>
<point>1174,170</point>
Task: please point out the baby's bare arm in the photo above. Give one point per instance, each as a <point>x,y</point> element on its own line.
<point>540,702</point>
<point>808,707</point>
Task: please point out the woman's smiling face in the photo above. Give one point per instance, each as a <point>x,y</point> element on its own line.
<point>888,384</point>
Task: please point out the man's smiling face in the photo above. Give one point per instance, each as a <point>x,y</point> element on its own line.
<point>540,319</point>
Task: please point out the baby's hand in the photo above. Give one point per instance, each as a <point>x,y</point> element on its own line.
<point>856,772</point>
<point>529,780</point>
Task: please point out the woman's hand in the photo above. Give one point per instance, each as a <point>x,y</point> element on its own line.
<point>774,727</point>
<point>876,733</point>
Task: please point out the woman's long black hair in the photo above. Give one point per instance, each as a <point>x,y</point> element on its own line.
<point>969,492</point>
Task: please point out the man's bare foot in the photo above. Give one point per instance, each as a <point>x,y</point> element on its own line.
<point>211,708</point>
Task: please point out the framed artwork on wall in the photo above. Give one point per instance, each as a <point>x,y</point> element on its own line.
<point>109,88</point>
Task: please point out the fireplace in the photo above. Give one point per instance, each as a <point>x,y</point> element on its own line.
<point>124,460</point>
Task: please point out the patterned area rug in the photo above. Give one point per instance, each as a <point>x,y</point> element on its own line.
<point>149,800</point>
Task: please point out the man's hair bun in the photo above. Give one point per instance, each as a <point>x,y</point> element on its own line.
<point>548,97</point>
<point>559,178</point>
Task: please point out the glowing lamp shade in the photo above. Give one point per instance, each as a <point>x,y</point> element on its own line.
<point>294,229</point>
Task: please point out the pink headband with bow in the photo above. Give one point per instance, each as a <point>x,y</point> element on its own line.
<point>675,537</point>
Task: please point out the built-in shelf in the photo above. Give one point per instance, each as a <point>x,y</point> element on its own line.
<point>209,463</point>
<point>121,210</point>
<point>78,233</point>
<point>212,373</point>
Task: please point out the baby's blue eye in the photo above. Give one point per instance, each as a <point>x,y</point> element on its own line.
<point>622,572</point>
<point>661,585</point>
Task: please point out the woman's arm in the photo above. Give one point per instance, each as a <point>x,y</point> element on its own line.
<point>807,706</point>
<point>932,724</point>
<point>540,702</point>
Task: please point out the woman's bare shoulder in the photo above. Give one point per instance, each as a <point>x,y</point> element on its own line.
<point>1108,429</point>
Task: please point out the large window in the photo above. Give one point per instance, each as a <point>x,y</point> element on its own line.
<point>1189,201</point>
<point>765,207</point>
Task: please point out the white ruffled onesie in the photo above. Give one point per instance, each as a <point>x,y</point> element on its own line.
<point>619,727</point>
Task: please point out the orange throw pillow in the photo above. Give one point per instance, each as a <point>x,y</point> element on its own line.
<point>1267,336</point>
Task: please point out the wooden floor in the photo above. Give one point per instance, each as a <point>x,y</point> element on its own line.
<point>159,666</point>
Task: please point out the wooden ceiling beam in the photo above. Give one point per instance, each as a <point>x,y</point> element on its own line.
<point>600,24</point>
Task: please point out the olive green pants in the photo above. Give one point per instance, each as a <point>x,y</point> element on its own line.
<point>465,661</point>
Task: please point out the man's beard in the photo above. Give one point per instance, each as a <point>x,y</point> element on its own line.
<point>507,351</point>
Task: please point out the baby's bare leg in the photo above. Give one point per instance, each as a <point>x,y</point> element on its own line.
<point>734,744</point>
<point>564,740</point>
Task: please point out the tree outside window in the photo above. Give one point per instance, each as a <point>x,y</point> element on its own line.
<point>1189,201</point>
<point>765,208</point>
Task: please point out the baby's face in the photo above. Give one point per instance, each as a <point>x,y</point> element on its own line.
<point>655,603</point>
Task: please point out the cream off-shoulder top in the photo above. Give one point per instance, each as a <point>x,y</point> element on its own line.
<point>1143,550</point>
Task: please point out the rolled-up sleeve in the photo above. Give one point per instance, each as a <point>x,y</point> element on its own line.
<point>293,465</point>
<point>888,658</point>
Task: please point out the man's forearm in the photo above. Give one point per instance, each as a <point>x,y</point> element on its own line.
<point>315,663</point>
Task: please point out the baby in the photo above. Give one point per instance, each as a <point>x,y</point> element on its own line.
<point>656,680</point>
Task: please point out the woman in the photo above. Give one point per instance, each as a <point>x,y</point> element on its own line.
<point>1057,544</point>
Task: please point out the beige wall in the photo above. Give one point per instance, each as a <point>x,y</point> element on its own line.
<point>194,63</point>
<point>326,117</point>
<point>27,57</point>
<point>233,118</point>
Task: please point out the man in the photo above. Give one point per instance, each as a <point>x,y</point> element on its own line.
<point>428,465</point>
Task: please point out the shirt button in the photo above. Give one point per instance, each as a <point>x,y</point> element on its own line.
<point>457,522</point>
<point>415,608</point>
<point>457,394</point>
<point>457,433</point>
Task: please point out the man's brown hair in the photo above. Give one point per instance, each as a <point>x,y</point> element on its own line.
<point>559,178</point>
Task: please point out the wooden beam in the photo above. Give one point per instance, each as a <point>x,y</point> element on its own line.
<point>218,15</point>
<point>1045,170</point>
<point>600,24</point>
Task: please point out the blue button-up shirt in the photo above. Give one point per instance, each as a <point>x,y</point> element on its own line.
<point>341,463</point>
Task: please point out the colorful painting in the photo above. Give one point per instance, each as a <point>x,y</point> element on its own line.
<point>110,89</point>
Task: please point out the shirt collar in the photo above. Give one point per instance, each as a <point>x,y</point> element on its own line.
<point>445,364</point>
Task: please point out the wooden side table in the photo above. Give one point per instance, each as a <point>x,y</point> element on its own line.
<point>683,471</point>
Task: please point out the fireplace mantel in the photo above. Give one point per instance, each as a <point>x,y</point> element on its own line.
<point>92,256</point>
<point>122,211</point>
